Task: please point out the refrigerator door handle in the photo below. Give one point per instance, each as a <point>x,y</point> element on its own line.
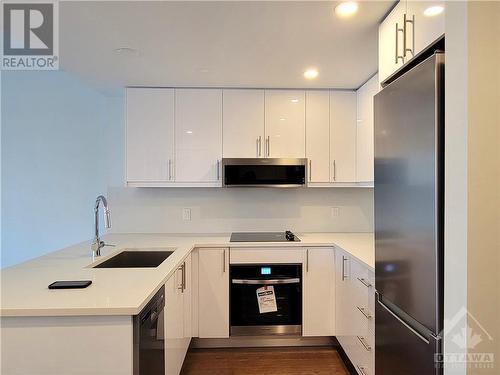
<point>404,323</point>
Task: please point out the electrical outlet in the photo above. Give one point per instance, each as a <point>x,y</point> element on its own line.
<point>186,214</point>
<point>335,211</point>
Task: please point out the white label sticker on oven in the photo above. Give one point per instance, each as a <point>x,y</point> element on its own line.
<point>266,299</point>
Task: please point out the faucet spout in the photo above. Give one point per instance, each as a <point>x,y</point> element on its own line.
<point>97,245</point>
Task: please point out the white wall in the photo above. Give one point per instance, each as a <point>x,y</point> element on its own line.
<point>52,168</point>
<point>151,210</point>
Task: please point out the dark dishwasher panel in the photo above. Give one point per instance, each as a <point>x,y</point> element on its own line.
<point>149,337</point>
<point>244,313</point>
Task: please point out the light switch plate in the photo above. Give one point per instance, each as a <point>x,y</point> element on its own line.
<point>186,214</point>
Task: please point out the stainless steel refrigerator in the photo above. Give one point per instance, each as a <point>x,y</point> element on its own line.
<point>409,141</point>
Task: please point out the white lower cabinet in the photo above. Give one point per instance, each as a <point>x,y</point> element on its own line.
<point>318,292</point>
<point>213,293</point>
<point>355,306</point>
<point>176,310</point>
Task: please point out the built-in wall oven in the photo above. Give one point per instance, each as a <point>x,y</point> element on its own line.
<point>266,299</point>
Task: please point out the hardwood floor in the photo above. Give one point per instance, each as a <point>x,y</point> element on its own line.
<point>264,361</point>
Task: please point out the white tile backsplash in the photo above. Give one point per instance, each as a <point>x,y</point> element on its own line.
<point>219,210</point>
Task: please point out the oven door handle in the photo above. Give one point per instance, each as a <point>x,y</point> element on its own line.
<point>294,280</point>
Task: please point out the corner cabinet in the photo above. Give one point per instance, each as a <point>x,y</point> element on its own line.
<point>178,319</point>
<point>355,311</point>
<point>213,293</point>
<point>411,27</point>
<point>364,135</point>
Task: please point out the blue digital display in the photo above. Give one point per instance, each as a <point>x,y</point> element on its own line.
<point>265,270</point>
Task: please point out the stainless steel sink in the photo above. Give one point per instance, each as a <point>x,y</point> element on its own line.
<point>135,259</point>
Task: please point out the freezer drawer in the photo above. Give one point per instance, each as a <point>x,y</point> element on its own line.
<point>398,350</point>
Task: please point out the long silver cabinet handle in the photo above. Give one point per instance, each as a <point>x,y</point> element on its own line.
<point>310,170</point>
<point>183,277</point>
<point>364,343</point>
<point>398,30</point>
<point>224,261</point>
<point>334,171</point>
<point>343,268</point>
<point>268,146</point>
<point>218,170</point>
<point>294,280</point>
<point>362,370</point>
<point>170,169</point>
<point>366,313</point>
<point>259,146</point>
<point>405,47</point>
<point>364,282</point>
<point>307,260</point>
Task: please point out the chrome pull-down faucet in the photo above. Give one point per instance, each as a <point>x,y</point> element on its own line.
<point>97,245</point>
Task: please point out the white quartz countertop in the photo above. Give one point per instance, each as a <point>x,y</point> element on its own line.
<point>125,291</point>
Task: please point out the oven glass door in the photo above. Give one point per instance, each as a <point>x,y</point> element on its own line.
<point>246,317</point>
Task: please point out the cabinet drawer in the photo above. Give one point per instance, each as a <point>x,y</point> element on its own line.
<point>365,356</point>
<point>265,255</point>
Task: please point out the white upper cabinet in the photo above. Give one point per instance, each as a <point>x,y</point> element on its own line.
<point>407,30</point>
<point>285,124</point>
<point>318,135</point>
<point>198,135</point>
<point>364,136</point>
<point>390,42</point>
<point>343,136</point>
<point>243,123</point>
<point>426,23</point>
<point>150,135</point>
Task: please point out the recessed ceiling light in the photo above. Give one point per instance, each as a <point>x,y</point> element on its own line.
<point>433,10</point>
<point>294,100</point>
<point>346,9</point>
<point>126,51</point>
<point>189,132</point>
<point>311,73</point>
<point>282,119</point>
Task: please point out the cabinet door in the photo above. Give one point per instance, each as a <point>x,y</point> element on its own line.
<point>213,271</point>
<point>150,134</point>
<point>198,135</point>
<point>390,42</point>
<point>174,327</point>
<point>364,135</point>
<point>343,135</point>
<point>285,124</point>
<point>426,28</point>
<point>319,292</point>
<point>318,135</point>
<point>243,123</point>
<point>343,303</point>
<point>187,302</point>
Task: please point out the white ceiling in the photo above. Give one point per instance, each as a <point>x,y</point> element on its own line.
<point>226,44</point>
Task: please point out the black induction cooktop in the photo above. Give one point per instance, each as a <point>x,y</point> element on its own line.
<point>264,237</point>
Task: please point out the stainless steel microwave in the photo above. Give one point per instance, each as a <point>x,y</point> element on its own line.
<point>265,172</point>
